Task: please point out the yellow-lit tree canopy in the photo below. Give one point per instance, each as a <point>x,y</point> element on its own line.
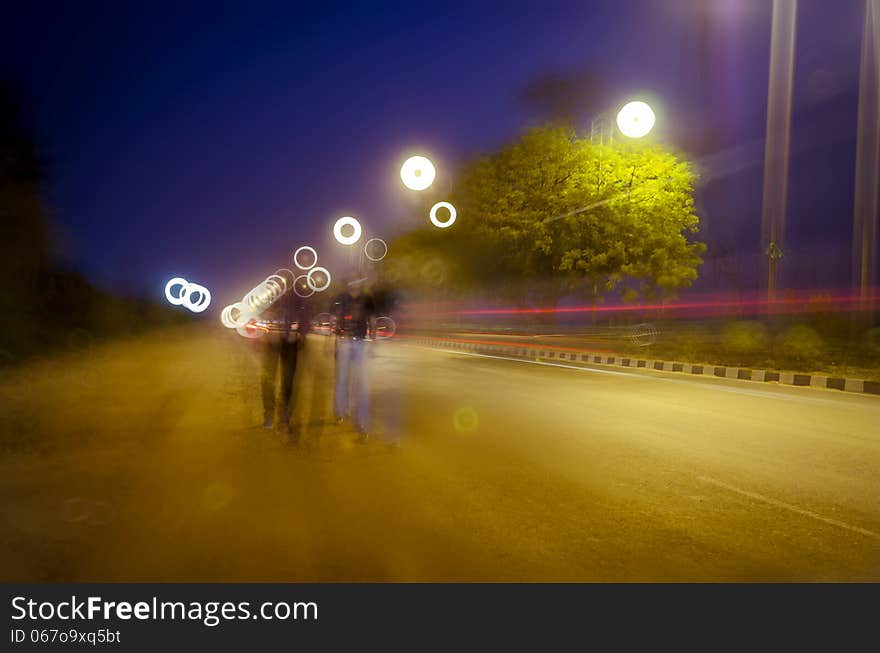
<point>552,206</point>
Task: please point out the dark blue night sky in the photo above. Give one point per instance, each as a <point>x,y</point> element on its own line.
<point>210,140</point>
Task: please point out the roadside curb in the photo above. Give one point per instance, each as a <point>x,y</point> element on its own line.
<point>570,355</point>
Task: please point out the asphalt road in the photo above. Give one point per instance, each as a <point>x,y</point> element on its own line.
<point>144,460</point>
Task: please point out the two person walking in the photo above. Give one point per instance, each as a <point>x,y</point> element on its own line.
<point>288,323</point>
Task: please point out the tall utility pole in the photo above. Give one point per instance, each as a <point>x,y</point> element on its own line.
<point>776,149</point>
<point>600,129</point>
<point>867,157</point>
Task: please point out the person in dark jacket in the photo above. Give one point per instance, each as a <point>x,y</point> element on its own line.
<point>287,323</point>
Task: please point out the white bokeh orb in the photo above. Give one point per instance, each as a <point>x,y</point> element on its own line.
<point>635,119</point>
<point>355,231</point>
<point>452,214</point>
<point>417,173</point>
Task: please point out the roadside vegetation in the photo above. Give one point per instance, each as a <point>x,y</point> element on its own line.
<point>832,347</point>
<point>44,306</point>
<point>565,214</point>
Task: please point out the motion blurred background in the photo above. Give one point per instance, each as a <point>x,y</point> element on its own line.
<point>154,140</point>
<point>140,142</point>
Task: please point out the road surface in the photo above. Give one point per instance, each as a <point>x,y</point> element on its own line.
<point>144,460</point>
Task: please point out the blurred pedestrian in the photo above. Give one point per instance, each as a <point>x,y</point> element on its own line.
<point>287,325</point>
<point>354,311</point>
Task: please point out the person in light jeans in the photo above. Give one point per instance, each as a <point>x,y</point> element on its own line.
<point>351,397</point>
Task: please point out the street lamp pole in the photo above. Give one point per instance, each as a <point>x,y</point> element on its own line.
<point>634,120</point>
<point>867,157</point>
<point>776,150</point>
<point>598,129</point>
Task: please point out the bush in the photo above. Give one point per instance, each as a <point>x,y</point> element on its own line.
<point>872,340</point>
<point>744,337</point>
<point>803,343</point>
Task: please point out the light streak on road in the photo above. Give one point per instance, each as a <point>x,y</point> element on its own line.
<point>810,301</point>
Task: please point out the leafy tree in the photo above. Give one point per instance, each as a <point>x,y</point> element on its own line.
<point>555,208</point>
<point>23,226</point>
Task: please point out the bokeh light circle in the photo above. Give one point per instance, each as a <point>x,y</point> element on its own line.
<point>242,315</point>
<point>183,296</point>
<point>305,248</point>
<point>226,317</point>
<point>175,298</point>
<point>442,224</point>
<point>278,279</point>
<point>384,327</point>
<point>302,288</point>
<point>465,419</point>
<point>355,234</point>
<point>203,297</point>
<point>314,286</point>
<point>263,296</point>
<point>379,241</point>
<point>417,173</point>
<point>287,275</point>
<point>635,119</point>
<point>235,316</point>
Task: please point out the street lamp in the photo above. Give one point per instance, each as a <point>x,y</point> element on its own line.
<point>635,119</point>
<point>348,231</point>
<point>354,227</point>
<point>417,173</point>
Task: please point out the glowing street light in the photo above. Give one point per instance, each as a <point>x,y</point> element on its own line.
<point>437,222</point>
<point>354,233</point>
<point>635,119</point>
<point>175,297</point>
<point>185,293</point>
<point>417,173</point>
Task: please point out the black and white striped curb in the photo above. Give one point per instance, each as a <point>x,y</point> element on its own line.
<point>721,371</point>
